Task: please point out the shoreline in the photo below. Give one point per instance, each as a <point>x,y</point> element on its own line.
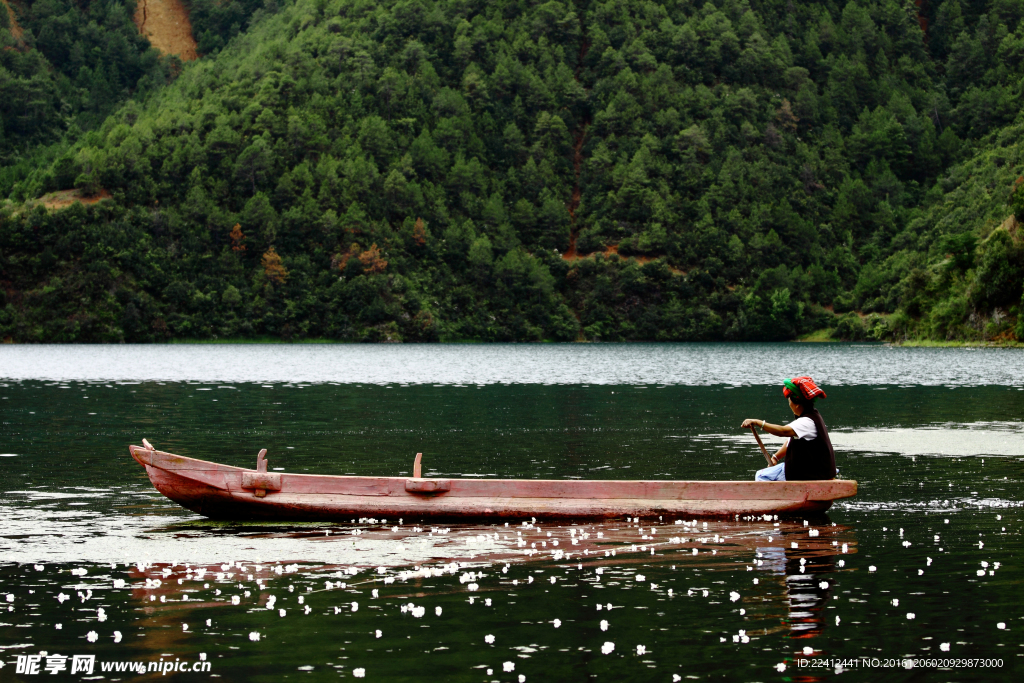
<point>813,338</point>
<point>959,344</point>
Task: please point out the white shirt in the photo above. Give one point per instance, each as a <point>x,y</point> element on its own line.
<point>804,428</point>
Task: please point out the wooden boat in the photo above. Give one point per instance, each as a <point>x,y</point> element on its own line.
<point>234,493</point>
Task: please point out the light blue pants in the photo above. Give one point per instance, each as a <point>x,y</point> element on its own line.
<point>773,473</point>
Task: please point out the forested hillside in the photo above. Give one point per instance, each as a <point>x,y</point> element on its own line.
<point>509,170</point>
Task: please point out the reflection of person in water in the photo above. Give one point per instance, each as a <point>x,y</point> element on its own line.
<point>806,596</point>
<point>803,571</point>
<point>807,454</point>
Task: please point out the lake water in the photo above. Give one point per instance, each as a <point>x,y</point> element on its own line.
<point>923,565</point>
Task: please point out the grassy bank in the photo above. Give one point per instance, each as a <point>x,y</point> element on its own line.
<point>931,343</point>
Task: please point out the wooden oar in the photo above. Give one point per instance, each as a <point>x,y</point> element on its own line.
<point>753,430</point>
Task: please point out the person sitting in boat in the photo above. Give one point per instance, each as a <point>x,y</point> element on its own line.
<point>807,454</point>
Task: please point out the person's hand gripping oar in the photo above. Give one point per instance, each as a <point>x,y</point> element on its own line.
<point>750,424</point>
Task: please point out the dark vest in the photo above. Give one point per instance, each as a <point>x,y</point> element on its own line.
<point>814,459</point>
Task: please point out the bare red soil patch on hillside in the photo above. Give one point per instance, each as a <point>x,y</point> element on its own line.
<point>65,198</point>
<point>166,24</point>
<point>613,249</point>
<point>16,29</point>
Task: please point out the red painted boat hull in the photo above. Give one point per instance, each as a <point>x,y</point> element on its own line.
<point>232,493</point>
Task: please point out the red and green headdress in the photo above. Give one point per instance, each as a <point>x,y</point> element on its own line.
<point>804,387</point>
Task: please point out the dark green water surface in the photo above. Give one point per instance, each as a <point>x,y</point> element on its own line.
<point>924,564</point>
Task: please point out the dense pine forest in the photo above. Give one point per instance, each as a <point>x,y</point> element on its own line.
<point>515,170</point>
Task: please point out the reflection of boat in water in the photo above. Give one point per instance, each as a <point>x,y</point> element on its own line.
<point>225,492</point>
<point>716,546</point>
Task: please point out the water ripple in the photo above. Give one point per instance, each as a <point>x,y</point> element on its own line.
<point>632,364</point>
